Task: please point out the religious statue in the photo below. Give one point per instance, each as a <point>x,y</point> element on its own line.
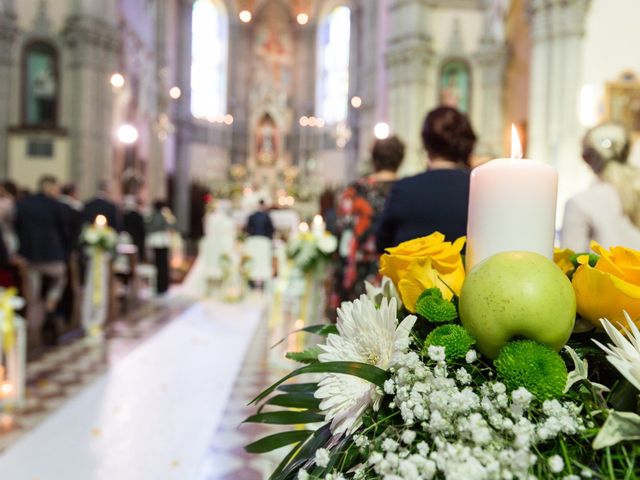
<point>266,141</point>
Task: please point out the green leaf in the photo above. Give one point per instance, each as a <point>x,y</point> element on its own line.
<point>299,387</point>
<point>275,441</point>
<point>310,355</point>
<point>295,400</point>
<point>619,427</point>
<point>365,371</point>
<point>302,453</point>
<point>286,417</point>
<point>323,330</point>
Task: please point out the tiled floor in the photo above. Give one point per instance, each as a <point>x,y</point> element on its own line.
<point>65,370</point>
<point>227,459</point>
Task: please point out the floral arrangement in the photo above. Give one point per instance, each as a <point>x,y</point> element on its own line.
<point>405,388</point>
<point>308,250</point>
<point>100,237</point>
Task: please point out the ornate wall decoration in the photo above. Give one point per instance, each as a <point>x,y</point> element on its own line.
<point>623,101</point>
<point>454,84</point>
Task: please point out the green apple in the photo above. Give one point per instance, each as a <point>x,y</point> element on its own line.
<point>517,294</point>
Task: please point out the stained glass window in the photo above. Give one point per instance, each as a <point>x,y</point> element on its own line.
<point>333,69</point>
<point>209,45</point>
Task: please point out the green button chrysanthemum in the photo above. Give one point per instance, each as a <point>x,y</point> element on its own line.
<point>434,308</point>
<point>536,367</point>
<point>454,338</point>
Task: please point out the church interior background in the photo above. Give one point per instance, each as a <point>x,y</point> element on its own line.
<point>279,100</point>
<point>219,104</point>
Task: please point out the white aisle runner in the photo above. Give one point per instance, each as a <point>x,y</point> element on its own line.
<point>152,415</point>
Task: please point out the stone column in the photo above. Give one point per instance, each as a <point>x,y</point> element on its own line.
<point>184,124</point>
<point>554,129</point>
<point>574,175</point>
<point>366,80</point>
<point>409,60</point>
<point>8,34</point>
<point>491,60</point>
<point>92,46</point>
<point>156,181</point>
<point>539,85</point>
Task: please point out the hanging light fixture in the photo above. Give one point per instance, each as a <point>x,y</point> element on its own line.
<point>302,10</point>
<point>245,10</point>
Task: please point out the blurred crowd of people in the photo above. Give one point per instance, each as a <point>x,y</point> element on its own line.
<point>41,253</point>
<point>379,211</point>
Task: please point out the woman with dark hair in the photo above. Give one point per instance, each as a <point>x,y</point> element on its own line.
<point>438,199</point>
<point>359,214</point>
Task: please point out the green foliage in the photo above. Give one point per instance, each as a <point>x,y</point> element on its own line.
<point>323,330</point>
<point>536,367</point>
<point>434,308</point>
<point>371,373</point>
<point>454,338</point>
<point>273,442</point>
<point>308,356</point>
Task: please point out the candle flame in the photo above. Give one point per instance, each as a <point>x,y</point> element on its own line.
<point>6,388</point>
<point>304,227</point>
<point>516,146</point>
<point>101,221</point>
<point>317,220</point>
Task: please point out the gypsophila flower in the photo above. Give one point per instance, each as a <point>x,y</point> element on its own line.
<point>389,445</point>
<point>586,473</point>
<point>499,387</point>
<point>322,457</point>
<point>360,441</point>
<point>334,476</point>
<point>359,474</point>
<point>436,353</point>
<point>556,464</point>
<point>408,437</point>
<point>571,477</point>
<point>423,448</point>
<point>389,387</point>
<point>471,356</point>
<point>302,474</point>
<point>522,396</point>
<point>463,376</point>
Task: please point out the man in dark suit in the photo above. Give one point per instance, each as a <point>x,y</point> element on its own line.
<point>101,204</point>
<point>259,223</point>
<point>41,230</point>
<point>133,224</point>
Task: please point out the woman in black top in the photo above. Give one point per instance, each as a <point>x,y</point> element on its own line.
<point>438,199</point>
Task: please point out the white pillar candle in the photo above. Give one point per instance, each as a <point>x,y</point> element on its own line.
<point>512,207</point>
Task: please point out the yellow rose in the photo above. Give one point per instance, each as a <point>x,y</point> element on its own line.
<point>610,287</point>
<point>562,258</point>
<point>423,263</point>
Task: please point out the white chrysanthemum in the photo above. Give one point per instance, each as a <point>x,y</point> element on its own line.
<point>367,335</point>
<point>624,354</point>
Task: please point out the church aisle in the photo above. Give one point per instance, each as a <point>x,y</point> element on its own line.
<point>153,414</point>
